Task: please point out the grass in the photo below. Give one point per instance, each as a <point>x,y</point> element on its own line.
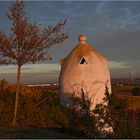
<point>122,89</point>
<point>125,92</point>
<point>133,101</point>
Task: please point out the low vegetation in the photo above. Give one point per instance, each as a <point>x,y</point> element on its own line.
<point>40,109</point>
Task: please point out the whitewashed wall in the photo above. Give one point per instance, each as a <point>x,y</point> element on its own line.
<point>92,77</point>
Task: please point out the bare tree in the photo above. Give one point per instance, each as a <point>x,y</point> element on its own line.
<point>27,42</point>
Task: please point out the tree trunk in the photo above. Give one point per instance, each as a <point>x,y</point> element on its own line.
<point>17,97</point>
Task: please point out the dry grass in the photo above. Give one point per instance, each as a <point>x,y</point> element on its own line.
<point>133,101</point>
<point>122,89</point>
<point>125,92</point>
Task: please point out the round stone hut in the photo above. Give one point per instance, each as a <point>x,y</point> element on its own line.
<point>86,71</point>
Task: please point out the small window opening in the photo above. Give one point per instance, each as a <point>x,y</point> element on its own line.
<point>83,61</point>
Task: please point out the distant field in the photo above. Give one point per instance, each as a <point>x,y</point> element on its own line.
<point>125,92</point>
<point>48,88</point>
<point>133,101</point>
<point>114,88</point>
<point>123,89</point>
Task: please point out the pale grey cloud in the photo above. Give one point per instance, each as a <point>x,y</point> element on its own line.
<point>118,65</point>
<point>31,68</point>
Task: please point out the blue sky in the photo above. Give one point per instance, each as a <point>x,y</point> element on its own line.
<point>112,28</point>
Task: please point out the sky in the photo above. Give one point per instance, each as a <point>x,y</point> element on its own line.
<point>111,27</point>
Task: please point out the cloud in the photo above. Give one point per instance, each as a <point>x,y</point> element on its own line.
<point>32,68</point>
<point>31,78</point>
<point>118,65</point>
<point>32,73</point>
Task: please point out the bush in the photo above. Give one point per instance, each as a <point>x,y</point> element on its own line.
<point>136,91</point>
<point>6,107</point>
<point>42,111</point>
<point>37,108</point>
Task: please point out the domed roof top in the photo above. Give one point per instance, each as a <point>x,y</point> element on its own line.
<point>80,50</point>
<point>82,38</point>
<point>83,49</point>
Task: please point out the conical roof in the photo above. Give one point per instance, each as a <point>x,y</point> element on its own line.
<point>82,49</point>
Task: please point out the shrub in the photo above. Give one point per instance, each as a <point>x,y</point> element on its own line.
<point>136,91</point>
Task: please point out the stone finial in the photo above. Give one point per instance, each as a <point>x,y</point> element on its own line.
<point>82,38</point>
